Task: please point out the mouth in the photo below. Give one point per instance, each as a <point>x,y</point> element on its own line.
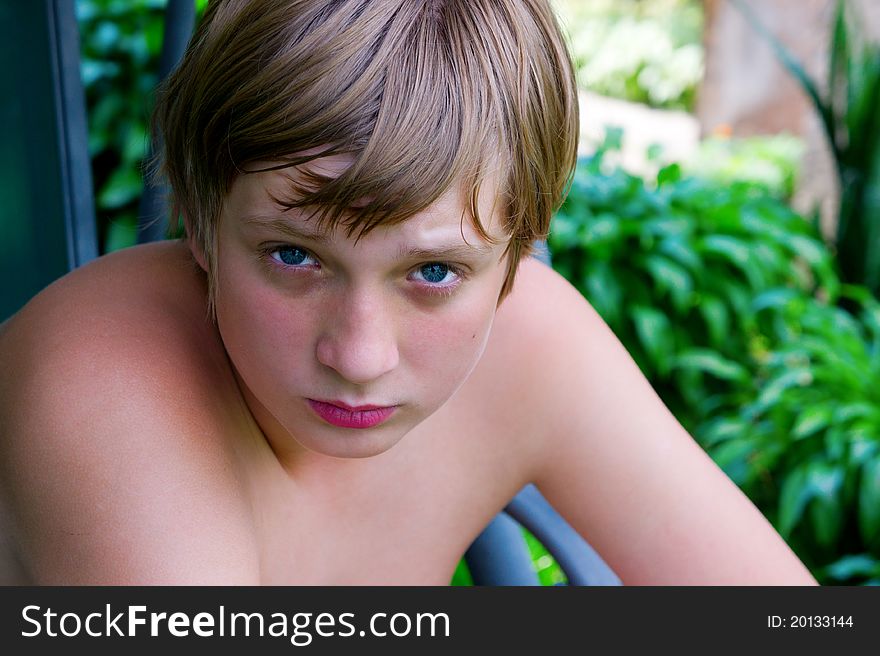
<point>345,416</point>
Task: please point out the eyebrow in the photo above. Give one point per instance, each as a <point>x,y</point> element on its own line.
<point>442,251</point>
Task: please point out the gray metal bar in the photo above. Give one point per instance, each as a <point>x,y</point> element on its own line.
<point>499,555</point>
<point>72,130</point>
<point>580,562</point>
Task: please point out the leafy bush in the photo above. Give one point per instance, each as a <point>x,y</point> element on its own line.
<point>120,45</point>
<point>806,446</point>
<point>768,161</point>
<point>673,271</point>
<point>727,300</point>
<point>645,51</point>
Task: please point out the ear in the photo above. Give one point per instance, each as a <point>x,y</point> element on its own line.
<point>195,248</point>
<point>197,253</point>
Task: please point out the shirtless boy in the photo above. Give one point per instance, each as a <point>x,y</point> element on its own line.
<point>349,365</point>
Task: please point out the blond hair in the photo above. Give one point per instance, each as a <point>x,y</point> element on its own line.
<point>421,94</point>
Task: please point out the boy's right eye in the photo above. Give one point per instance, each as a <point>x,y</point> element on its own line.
<point>293,256</point>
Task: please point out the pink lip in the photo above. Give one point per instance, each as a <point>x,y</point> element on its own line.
<point>362,416</point>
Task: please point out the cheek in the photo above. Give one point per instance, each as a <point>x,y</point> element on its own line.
<point>265,341</point>
<point>441,351</point>
<point>444,349</point>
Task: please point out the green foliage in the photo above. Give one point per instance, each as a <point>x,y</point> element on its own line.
<point>728,301</point>
<point>812,424</point>
<point>120,43</point>
<point>462,575</point>
<point>673,269</point>
<point>850,114</point>
<point>548,570</point>
<point>771,162</point>
<point>644,51</point>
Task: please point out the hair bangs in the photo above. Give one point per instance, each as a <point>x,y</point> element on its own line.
<point>434,125</point>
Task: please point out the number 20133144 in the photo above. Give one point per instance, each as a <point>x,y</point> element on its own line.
<point>809,621</point>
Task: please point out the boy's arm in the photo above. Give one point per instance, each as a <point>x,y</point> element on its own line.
<point>623,471</point>
<point>104,479</point>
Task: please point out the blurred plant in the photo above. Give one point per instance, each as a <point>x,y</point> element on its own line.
<point>644,51</point>
<point>850,113</point>
<point>806,446</point>
<point>673,270</point>
<point>120,45</point>
<point>770,162</point>
<point>726,300</point>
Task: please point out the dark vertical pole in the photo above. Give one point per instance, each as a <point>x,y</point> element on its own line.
<point>72,131</point>
<point>180,18</point>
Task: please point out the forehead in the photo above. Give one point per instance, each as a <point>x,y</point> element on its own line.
<point>261,193</point>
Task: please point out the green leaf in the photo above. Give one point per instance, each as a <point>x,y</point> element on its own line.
<point>603,291</point>
<point>136,144</point>
<point>774,298</point>
<point>811,421</point>
<point>672,278</point>
<point>861,448</point>
<point>809,249</point>
<point>666,227</point>
<point>563,231</point>
<point>669,174</point>
<point>869,501</point>
<point>825,479</point>
<point>773,390</point>
<point>839,56</point>
<point>717,319</point>
<point>462,574</point>
<point>602,229</point>
<point>712,363</point>
<point>730,248</point>
<point>825,512</point>
<point>723,429</point>
<point>826,517</point>
<point>733,458</point>
<point>681,251</point>
<point>793,499</point>
<point>854,410</point>
<point>655,334</point>
<point>123,187</point>
<point>852,566</point>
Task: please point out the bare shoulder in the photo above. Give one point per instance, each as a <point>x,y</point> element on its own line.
<point>542,307</point>
<point>617,464</point>
<point>522,358</point>
<point>112,473</point>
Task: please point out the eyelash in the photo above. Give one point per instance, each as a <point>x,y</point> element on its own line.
<point>442,291</point>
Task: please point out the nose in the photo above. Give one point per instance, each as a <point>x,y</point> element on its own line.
<point>359,342</point>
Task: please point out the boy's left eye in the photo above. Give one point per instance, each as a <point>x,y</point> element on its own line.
<point>436,273</point>
<point>290,255</point>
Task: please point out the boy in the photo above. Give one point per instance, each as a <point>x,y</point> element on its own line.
<point>333,378</point>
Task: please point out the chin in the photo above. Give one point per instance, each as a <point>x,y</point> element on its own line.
<point>354,443</point>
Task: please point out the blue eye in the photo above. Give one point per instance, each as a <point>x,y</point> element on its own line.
<point>438,276</point>
<point>434,272</point>
<point>290,255</point>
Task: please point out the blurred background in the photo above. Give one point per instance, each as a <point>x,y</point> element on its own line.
<point>724,220</point>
